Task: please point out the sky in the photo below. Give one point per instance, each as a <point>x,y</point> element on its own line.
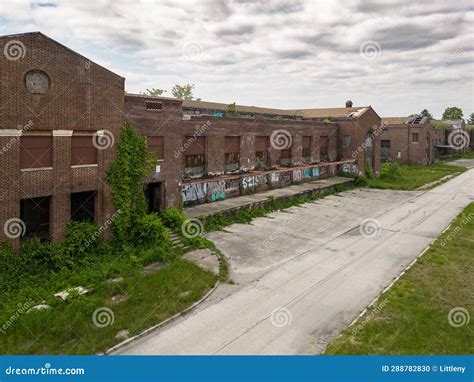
<point>398,56</point>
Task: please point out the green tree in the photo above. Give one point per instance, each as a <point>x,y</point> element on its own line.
<point>426,113</point>
<point>154,92</point>
<point>183,92</point>
<point>471,119</point>
<point>452,113</point>
<point>231,110</point>
<point>126,177</point>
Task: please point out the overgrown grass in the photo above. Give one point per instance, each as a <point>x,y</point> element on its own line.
<point>32,277</point>
<point>412,316</point>
<point>68,326</point>
<point>408,177</point>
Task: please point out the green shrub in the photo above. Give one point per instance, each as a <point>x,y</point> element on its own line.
<point>149,231</point>
<point>173,218</point>
<point>393,169</point>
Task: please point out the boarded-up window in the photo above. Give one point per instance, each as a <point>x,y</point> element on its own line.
<point>83,151</point>
<point>194,145</point>
<point>306,152</point>
<point>261,143</point>
<point>36,152</point>
<point>155,144</point>
<point>232,144</point>
<point>232,154</point>
<point>415,138</point>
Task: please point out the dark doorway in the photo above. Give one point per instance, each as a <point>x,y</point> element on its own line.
<point>153,194</point>
<point>35,214</point>
<point>82,206</point>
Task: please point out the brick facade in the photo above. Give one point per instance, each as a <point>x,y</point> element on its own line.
<point>81,96</point>
<point>51,91</point>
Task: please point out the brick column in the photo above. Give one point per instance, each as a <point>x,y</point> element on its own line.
<point>247,151</point>
<point>9,191</point>
<point>60,202</point>
<point>215,153</point>
<point>296,148</point>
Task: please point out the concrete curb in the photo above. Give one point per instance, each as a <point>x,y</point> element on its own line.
<point>161,324</point>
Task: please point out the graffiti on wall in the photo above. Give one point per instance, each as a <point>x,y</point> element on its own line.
<point>346,168</point>
<point>216,190</point>
<point>194,192</point>
<point>296,175</point>
<point>232,185</point>
<point>323,171</point>
<point>315,172</point>
<point>274,177</point>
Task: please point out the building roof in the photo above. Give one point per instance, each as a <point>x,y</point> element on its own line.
<point>395,120</point>
<point>337,112</point>
<point>39,34</point>
<point>445,123</point>
<point>239,108</point>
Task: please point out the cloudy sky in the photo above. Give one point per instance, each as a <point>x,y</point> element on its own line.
<point>398,56</point>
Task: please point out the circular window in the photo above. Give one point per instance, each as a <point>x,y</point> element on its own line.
<point>37,82</point>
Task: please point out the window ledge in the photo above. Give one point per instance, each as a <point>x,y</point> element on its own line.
<point>36,169</point>
<point>84,165</point>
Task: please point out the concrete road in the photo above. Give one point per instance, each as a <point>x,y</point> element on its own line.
<point>305,274</point>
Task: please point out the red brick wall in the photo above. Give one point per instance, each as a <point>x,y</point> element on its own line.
<point>82,96</point>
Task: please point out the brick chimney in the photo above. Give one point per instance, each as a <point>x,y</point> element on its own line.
<point>349,103</point>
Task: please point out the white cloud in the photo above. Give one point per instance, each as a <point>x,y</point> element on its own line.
<point>276,53</point>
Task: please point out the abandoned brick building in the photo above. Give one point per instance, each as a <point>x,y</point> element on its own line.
<point>62,113</point>
<point>417,140</point>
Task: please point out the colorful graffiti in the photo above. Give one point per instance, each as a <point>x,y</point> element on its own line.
<point>216,190</point>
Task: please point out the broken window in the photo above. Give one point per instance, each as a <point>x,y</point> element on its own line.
<point>194,160</point>
<point>285,157</point>
<point>306,149</point>
<point>35,213</point>
<point>261,151</point>
<point>385,148</point>
<point>346,141</point>
<point>83,151</point>
<point>323,150</point>
<point>36,151</point>
<point>82,206</point>
<point>232,154</point>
